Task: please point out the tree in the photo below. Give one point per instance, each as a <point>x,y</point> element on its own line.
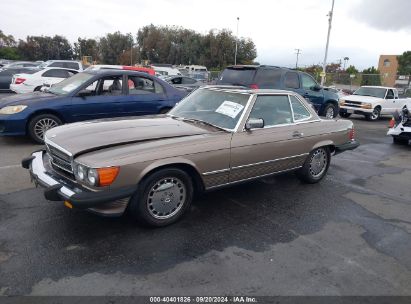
<point>371,76</point>
<point>351,70</point>
<point>86,47</point>
<point>113,45</point>
<point>45,48</point>
<point>8,49</point>
<point>404,65</point>
<point>6,40</point>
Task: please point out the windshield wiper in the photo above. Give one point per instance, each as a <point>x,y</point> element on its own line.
<point>202,122</point>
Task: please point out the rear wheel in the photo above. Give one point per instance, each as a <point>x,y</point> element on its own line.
<point>315,166</point>
<point>375,115</point>
<point>39,124</point>
<point>400,140</point>
<point>162,198</point>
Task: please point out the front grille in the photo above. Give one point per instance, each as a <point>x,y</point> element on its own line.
<point>60,159</point>
<point>354,104</point>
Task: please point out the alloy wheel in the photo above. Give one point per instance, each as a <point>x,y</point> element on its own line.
<point>318,163</point>
<point>42,125</point>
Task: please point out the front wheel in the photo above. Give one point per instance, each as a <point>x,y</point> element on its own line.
<point>399,140</point>
<point>330,111</point>
<point>375,115</point>
<point>162,198</point>
<point>315,166</point>
<point>39,124</point>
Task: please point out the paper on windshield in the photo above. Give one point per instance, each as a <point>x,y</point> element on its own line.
<point>69,87</point>
<point>229,108</point>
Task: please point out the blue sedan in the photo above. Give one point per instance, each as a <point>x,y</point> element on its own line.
<point>85,96</point>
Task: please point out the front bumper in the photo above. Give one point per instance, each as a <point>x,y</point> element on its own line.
<point>353,110</point>
<point>347,146</point>
<point>107,202</point>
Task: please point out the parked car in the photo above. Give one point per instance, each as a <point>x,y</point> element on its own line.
<point>33,81</point>
<point>6,77</point>
<point>121,67</point>
<point>182,82</point>
<point>152,166</point>
<point>164,70</point>
<point>84,96</point>
<point>271,77</point>
<point>67,64</point>
<point>20,64</point>
<point>372,102</point>
<point>400,125</point>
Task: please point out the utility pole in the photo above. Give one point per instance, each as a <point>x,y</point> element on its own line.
<point>131,53</point>
<point>330,20</point>
<point>345,61</point>
<point>298,52</point>
<point>236,43</point>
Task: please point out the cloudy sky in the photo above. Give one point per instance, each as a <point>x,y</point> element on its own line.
<point>362,29</point>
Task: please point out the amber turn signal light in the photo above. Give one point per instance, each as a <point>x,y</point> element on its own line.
<point>392,123</point>
<point>106,176</point>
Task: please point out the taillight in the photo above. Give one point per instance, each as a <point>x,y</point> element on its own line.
<point>351,134</point>
<point>254,86</point>
<point>19,80</point>
<point>392,123</point>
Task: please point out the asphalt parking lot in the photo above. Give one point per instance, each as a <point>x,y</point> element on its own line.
<point>348,235</point>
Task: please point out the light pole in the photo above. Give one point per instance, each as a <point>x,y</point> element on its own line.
<point>345,61</point>
<point>298,52</point>
<point>236,43</point>
<point>330,20</point>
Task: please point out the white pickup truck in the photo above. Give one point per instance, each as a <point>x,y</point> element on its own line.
<point>372,102</point>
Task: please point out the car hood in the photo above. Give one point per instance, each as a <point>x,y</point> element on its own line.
<point>25,99</point>
<point>360,98</point>
<point>79,138</point>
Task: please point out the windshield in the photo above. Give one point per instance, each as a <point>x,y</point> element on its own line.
<point>221,109</point>
<point>70,84</point>
<point>368,91</point>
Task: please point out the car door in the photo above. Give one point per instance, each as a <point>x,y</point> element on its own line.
<point>308,89</point>
<point>5,79</point>
<point>144,96</point>
<point>279,146</point>
<point>103,98</point>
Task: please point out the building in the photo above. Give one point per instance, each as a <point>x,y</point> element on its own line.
<point>388,67</point>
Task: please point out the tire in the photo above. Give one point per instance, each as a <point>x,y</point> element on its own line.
<point>345,114</point>
<point>161,208</point>
<point>330,111</point>
<point>164,111</point>
<point>311,172</point>
<point>39,124</point>
<point>376,114</point>
<point>399,140</point>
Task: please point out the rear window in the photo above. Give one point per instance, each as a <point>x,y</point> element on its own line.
<point>268,78</point>
<point>234,76</point>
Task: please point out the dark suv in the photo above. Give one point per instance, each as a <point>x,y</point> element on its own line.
<point>272,77</point>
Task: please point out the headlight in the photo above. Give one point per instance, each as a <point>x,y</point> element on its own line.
<point>342,102</point>
<point>92,177</point>
<point>366,106</point>
<point>96,176</point>
<point>12,109</point>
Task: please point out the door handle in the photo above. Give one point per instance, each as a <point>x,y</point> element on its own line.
<point>298,134</point>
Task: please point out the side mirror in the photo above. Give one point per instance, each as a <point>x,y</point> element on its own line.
<point>254,123</point>
<point>317,87</point>
<point>83,93</point>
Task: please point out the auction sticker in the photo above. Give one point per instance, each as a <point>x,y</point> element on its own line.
<point>229,108</point>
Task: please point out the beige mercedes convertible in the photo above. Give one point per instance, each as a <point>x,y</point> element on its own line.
<point>151,166</point>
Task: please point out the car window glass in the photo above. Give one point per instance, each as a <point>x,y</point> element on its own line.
<point>56,64</point>
<point>300,112</point>
<point>268,78</point>
<point>291,80</point>
<point>110,86</point>
<point>140,85</point>
<point>176,80</point>
<point>307,82</point>
<point>187,80</point>
<point>390,94</point>
<point>273,109</point>
<point>57,73</point>
<point>71,65</point>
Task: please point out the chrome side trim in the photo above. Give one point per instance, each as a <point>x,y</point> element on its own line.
<point>37,168</point>
<point>268,161</point>
<point>252,178</point>
<point>215,172</point>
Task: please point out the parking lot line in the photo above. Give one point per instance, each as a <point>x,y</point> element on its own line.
<point>10,167</point>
